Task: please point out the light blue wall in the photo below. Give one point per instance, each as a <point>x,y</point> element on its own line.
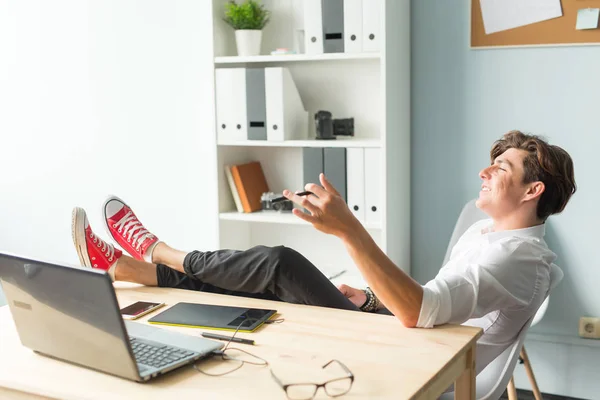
<point>2,299</point>
<point>462,100</point>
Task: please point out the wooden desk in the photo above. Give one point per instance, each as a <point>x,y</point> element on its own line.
<point>388,360</point>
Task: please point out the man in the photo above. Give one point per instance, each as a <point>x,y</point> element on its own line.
<point>497,276</point>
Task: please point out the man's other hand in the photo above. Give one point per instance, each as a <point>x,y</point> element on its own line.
<point>329,212</point>
<point>356,296</point>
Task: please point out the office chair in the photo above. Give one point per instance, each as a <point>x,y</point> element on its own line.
<point>497,376</point>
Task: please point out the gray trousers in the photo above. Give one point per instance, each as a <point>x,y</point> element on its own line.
<point>272,273</point>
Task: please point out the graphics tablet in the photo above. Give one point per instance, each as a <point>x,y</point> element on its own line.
<point>210,316</point>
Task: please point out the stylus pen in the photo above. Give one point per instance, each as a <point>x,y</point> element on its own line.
<point>227,338</point>
<point>282,198</point>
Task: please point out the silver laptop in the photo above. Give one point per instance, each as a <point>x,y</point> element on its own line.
<point>71,314</point>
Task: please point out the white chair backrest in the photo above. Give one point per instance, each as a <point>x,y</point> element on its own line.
<point>468,216</point>
<point>492,381</point>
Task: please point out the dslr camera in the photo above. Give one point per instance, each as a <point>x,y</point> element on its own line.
<point>328,128</point>
<point>267,203</point>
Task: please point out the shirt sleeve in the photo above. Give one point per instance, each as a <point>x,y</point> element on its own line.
<point>505,276</point>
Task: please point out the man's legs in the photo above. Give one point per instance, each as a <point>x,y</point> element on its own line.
<point>131,270</point>
<point>278,271</point>
<point>265,272</point>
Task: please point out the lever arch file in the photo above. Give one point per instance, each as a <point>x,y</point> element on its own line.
<point>256,106</point>
<point>286,117</point>
<point>334,167</point>
<point>353,26</point>
<point>313,27</point>
<point>333,26</point>
<point>371,25</point>
<point>355,167</point>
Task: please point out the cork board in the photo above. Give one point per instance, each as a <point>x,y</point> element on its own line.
<point>557,31</point>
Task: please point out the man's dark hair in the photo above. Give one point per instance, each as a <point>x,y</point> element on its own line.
<point>546,163</point>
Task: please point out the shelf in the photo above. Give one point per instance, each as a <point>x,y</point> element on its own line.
<point>290,58</point>
<point>339,142</point>
<point>273,217</point>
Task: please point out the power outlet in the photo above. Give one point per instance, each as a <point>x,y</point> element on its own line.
<point>589,327</point>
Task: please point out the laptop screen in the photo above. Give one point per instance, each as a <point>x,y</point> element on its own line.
<point>70,313</point>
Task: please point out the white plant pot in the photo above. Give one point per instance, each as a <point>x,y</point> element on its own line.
<point>248,41</point>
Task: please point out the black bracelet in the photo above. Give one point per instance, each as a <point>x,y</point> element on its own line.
<point>372,302</point>
<point>366,301</point>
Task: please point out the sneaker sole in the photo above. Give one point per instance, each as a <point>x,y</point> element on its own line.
<point>78,233</point>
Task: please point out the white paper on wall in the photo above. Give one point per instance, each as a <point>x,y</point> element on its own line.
<point>587,18</point>
<point>500,15</point>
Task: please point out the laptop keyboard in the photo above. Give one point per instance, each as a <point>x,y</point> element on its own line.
<point>156,355</point>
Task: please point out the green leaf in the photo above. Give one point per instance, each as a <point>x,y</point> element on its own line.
<point>248,15</point>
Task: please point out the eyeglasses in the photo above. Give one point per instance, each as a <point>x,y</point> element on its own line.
<point>231,359</point>
<point>306,391</point>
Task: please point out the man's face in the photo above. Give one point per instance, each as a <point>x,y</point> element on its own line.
<point>502,188</point>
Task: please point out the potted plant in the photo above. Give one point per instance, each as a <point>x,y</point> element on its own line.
<point>248,19</point>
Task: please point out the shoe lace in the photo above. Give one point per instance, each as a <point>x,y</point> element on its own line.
<point>133,229</point>
<point>107,249</point>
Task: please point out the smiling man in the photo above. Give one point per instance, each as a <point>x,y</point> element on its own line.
<point>497,276</point>
<point>498,273</point>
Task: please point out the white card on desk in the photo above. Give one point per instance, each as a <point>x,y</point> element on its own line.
<point>587,18</point>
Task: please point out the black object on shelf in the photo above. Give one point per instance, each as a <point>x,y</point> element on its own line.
<point>343,127</point>
<point>328,128</point>
<point>269,201</point>
<point>324,125</point>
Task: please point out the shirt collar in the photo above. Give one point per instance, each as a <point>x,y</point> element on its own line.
<point>535,232</point>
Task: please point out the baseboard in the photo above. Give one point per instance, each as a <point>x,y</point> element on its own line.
<point>562,339</point>
<point>528,395</point>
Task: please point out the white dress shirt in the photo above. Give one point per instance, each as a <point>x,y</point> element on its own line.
<point>493,280</point>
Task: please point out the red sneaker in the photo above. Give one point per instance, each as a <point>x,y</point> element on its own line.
<point>127,230</point>
<point>93,252</point>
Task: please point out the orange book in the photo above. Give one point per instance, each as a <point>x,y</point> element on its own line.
<point>250,183</point>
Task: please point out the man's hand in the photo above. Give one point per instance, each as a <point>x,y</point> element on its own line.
<point>356,296</point>
<point>329,212</point>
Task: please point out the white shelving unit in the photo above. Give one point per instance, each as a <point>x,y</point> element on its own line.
<point>274,217</point>
<point>290,58</point>
<point>339,142</point>
<point>371,87</point>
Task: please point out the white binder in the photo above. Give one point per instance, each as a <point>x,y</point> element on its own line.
<point>238,104</point>
<point>353,26</point>
<point>224,95</point>
<point>373,185</point>
<point>230,88</point>
<point>355,167</point>
<point>286,117</point>
<point>313,27</point>
<point>371,25</point>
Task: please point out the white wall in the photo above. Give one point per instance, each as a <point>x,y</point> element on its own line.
<point>463,100</point>
<point>105,97</point>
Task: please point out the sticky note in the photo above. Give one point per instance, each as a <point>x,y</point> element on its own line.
<point>587,18</point>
